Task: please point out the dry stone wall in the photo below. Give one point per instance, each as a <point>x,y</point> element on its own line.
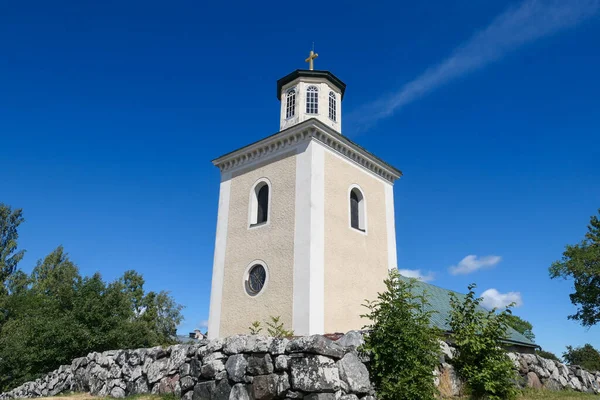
<point>532,371</point>
<point>257,367</point>
<point>238,367</point>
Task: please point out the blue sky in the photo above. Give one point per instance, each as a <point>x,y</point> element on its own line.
<point>110,113</point>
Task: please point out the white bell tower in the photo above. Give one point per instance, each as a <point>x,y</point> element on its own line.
<point>306,94</point>
<point>305,228</point>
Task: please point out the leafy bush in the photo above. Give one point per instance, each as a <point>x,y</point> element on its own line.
<point>54,315</point>
<point>255,328</point>
<point>586,357</point>
<point>404,347</point>
<point>480,359</point>
<point>275,328</point>
<point>547,355</point>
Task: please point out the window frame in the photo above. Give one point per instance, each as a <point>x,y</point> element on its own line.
<point>246,276</point>
<point>362,210</point>
<point>290,105</point>
<point>312,100</point>
<point>332,106</point>
<point>253,203</point>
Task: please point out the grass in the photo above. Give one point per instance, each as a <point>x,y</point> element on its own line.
<point>532,394</point>
<point>562,395</point>
<point>87,396</point>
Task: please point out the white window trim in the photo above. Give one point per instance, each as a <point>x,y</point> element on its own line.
<point>287,93</point>
<point>364,213</point>
<point>316,103</point>
<point>253,204</point>
<point>334,108</point>
<point>247,274</point>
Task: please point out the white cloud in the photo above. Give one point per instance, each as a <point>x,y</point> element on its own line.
<point>471,264</point>
<point>416,273</point>
<point>517,26</point>
<point>494,299</point>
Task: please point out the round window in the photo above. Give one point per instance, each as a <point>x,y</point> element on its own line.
<point>257,277</point>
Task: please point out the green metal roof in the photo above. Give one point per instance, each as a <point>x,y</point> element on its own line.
<point>439,301</point>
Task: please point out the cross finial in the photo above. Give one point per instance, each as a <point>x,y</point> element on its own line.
<point>310,59</point>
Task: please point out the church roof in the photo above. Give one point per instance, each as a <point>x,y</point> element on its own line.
<point>439,302</point>
<point>307,73</point>
<point>291,136</point>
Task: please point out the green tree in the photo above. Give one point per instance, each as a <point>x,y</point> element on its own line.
<point>403,345</point>
<point>480,359</point>
<point>586,357</point>
<point>9,254</point>
<point>54,315</point>
<point>581,262</point>
<point>521,326</point>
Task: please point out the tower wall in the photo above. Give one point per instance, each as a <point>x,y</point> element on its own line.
<point>272,243</point>
<point>356,263</point>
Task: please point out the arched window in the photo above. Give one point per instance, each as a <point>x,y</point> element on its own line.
<point>357,210</point>
<point>259,203</point>
<point>332,106</point>
<point>312,100</point>
<point>290,105</point>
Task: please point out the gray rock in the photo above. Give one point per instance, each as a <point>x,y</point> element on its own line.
<point>553,385</point>
<point>156,370</point>
<point>117,393</point>
<point>264,387</point>
<point>283,384</point>
<point>259,364</point>
<point>352,339</point>
<point>114,372</point>
<point>349,397</point>
<point>354,373</point>
<point>239,392</point>
<point>258,344</point>
<point>204,390</point>
<point>235,344</point>
<point>575,383</point>
<point>281,363</point>
<point>185,369</point>
<point>214,345</point>
<point>314,374</point>
<point>236,367</point>
<point>278,346</point>
<point>222,391</point>
<point>316,344</point>
<point>189,395</point>
<point>79,362</point>
<point>136,373</point>
<point>137,357</point>
<point>140,386</point>
<point>211,369</point>
<point>217,355</point>
<point>177,358</point>
<point>186,383</point>
<point>320,396</point>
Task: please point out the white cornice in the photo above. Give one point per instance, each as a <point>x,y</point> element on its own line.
<point>303,132</point>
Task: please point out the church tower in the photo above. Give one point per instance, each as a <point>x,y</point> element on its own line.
<point>305,226</point>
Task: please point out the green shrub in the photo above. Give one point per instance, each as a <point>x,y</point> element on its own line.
<point>404,347</point>
<point>480,359</point>
<point>275,328</point>
<point>587,357</point>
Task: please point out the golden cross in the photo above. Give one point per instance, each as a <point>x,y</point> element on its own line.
<point>310,59</point>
